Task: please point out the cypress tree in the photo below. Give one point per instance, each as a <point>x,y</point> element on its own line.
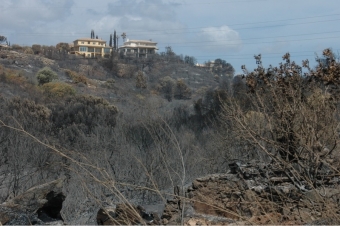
<point>114,40</point>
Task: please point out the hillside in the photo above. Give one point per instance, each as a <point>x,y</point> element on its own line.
<point>87,140</point>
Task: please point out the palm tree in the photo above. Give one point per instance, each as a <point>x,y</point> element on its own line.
<point>124,36</point>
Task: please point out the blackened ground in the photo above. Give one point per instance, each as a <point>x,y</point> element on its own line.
<point>51,210</point>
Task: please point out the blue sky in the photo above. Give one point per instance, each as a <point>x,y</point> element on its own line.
<point>233,30</point>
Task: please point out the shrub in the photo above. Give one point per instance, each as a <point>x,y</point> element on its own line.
<point>58,89</point>
<point>28,50</point>
<point>293,117</point>
<point>77,78</point>
<point>36,49</point>
<point>166,86</point>
<point>12,76</point>
<point>111,80</point>
<point>83,113</point>
<point>26,113</point>
<point>182,91</point>
<point>16,79</point>
<point>46,75</point>
<point>141,81</point>
<point>63,46</point>
<point>125,70</point>
<point>17,47</point>
<point>109,84</point>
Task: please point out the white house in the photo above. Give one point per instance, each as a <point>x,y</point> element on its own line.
<point>138,48</point>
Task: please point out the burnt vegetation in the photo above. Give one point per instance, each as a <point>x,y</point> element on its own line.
<point>153,123</point>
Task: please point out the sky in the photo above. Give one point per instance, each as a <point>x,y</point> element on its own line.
<point>232,30</point>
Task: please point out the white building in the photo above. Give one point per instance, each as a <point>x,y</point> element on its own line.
<point>138,48</point>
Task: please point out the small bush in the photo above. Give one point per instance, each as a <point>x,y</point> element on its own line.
<point>28,50</point>
<point>125,70</point>
<point>109,84</point>
<point>166,87</point>
<point>12,76</point>
<point>141,81</point>
<point>46,75</point>
<point>36,49</point>
<point>58,89</point>
<point>17,47</point>
<point>15,79</point>
<point>77,78</point>
<point>182,91</point>
<point>111,80</point>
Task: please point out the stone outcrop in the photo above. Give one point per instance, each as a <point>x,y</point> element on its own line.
<point>254,194</point>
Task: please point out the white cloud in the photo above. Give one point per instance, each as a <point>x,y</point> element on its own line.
<point>18,14</point>
<point>221,39</point>
<point>147,19</point>
<point>152,9</point>
<point>104,24</point>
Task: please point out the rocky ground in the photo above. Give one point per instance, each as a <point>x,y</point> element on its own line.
<point>248,194</point>
<point>244,195</point>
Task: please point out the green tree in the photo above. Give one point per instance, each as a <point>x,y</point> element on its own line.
<point>46,75</point>
<point>115,40</point>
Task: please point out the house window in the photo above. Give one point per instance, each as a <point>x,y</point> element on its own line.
<point>88,42</point>
<point>98,50</point>
<point>94,43</point>
<point>83,49</point>
<point>82,42</point>
<point>90,49</point>
<point>107,50</point>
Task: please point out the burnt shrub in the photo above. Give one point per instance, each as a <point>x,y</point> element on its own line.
<point>83,113</point>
